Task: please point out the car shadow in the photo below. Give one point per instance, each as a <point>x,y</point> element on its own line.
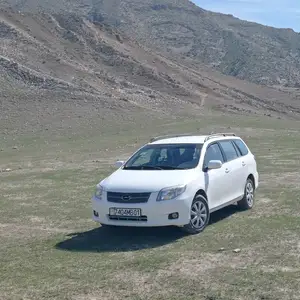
<point>120,239</point>
<point>124,239</point>
<point>222,214</point>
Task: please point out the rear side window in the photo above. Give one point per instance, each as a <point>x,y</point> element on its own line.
<point>229,150</point>
<point>241,146</point>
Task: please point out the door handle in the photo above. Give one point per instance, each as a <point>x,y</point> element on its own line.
<point>227,171</point>
<point>243,164</point>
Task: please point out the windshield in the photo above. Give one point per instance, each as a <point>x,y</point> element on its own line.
<point>165,157</point>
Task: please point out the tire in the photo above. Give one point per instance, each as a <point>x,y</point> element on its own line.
<point>199,216</point>
<point>249,195</point>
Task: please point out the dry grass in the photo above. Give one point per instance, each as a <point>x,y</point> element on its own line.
<point>50,248</point>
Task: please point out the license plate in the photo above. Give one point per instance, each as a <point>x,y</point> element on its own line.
<point>125,212</point>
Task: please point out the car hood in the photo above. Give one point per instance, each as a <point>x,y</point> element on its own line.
<point>145,180</point>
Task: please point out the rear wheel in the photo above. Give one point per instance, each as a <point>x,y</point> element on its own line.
<point>249,194</point>
<point>199,215</point>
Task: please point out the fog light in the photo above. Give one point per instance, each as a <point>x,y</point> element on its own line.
<point>173,216</point>
<point>96,214</point>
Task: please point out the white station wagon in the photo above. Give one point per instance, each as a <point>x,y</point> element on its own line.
<point>178,181</point>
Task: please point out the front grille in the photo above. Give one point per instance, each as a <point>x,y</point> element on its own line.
<point>137,219</point>
<point>128,197</point>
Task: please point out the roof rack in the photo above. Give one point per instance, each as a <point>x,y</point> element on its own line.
<point>212,135</point>
<point>168,136</point>
<point>154,139</point>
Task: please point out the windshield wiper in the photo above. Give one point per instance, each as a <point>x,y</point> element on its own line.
<point>170,168</point>
<point>143,168</point>
<point>153,168</point>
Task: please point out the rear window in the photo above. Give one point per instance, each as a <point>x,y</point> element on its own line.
<point>241,147</point>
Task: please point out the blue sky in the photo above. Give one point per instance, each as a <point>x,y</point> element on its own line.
<point>277,13</point>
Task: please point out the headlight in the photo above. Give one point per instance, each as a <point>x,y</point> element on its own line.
<point>171,193</point>
<point>99,192</point>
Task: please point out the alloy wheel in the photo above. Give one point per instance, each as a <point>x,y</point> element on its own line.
<point>199,214</point>
<point>250,193</point>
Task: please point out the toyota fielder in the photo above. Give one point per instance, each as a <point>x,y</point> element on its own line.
<point>178,181</point>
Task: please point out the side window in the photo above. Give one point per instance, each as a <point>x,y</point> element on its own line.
<point>213,152</point>
<point>241,146</point>
<point>229,150</point>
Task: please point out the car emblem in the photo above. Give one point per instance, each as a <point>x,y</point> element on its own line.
<point>126,198</point>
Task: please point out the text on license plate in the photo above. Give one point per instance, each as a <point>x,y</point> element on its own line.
<point>126,212</point>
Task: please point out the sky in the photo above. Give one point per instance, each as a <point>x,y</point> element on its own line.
<point>276,13</point>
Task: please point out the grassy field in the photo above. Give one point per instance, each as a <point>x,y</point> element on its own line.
<point>51,249</point>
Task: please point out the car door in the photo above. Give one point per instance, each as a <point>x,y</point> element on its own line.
<point>246,159</point>
<point>216,180</point>
<point>234,170</point>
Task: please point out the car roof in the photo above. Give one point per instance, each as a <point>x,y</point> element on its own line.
<point>191,139</point>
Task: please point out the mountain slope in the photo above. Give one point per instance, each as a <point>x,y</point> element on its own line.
<point>69,70</point>
<point>187,33</point>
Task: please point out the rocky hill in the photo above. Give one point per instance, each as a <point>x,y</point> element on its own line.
<point>185,32</point>
<point>91,61</point>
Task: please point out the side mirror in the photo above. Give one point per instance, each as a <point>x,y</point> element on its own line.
<point>119,164</point>
<point>214,164</point>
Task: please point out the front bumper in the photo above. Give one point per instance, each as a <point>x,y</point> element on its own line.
<point>153,213</point>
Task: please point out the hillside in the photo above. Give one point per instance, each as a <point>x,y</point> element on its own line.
<point>85,63</point>
<point>185,32</point>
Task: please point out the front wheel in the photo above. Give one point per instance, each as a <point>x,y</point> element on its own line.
<point>199,215</point>
<point>248,200</point>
